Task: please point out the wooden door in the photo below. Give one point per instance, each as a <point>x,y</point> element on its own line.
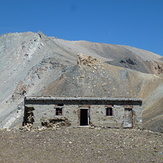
<point>128,117</point>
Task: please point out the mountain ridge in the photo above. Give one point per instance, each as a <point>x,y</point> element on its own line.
<point>32,62</point>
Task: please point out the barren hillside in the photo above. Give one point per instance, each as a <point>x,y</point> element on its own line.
<point>35,64</point>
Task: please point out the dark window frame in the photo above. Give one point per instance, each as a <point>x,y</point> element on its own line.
<point>109,111</point>
<point>58,111</point>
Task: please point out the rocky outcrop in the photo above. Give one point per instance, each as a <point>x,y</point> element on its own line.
<point>85,60</point>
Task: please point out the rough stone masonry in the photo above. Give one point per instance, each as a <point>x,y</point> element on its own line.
<point>83,111</point>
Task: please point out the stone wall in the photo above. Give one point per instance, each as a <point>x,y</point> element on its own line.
<point>96,112</point>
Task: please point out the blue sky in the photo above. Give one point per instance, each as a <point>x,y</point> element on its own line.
<point>137,23</point>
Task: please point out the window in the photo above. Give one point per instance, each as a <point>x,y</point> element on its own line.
<point>58,111</point>
<point>109,111</point>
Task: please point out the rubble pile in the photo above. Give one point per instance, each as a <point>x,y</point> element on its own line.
<point>55,123</point>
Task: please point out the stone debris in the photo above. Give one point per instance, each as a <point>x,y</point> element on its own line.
<point>55,123</point>
<point>81,145</point>
<point>85,60</point>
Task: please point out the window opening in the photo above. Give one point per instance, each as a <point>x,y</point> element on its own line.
<point>58,111</point>
<point>109,111</point>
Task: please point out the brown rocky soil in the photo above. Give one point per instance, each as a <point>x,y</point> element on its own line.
<point>75,145</point>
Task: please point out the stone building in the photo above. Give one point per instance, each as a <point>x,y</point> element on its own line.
<point>83,111</point>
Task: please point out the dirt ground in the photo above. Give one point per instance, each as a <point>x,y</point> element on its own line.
<point>75,145</point>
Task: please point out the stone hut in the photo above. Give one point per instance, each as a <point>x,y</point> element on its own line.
<point>83,111</point>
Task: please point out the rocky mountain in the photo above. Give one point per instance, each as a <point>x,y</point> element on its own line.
<point>33,64</point>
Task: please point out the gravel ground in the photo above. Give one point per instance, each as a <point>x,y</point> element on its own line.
<point>75,145</point>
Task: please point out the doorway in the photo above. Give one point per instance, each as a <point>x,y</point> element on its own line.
<point>128,117</point>
<point>84,117</point>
